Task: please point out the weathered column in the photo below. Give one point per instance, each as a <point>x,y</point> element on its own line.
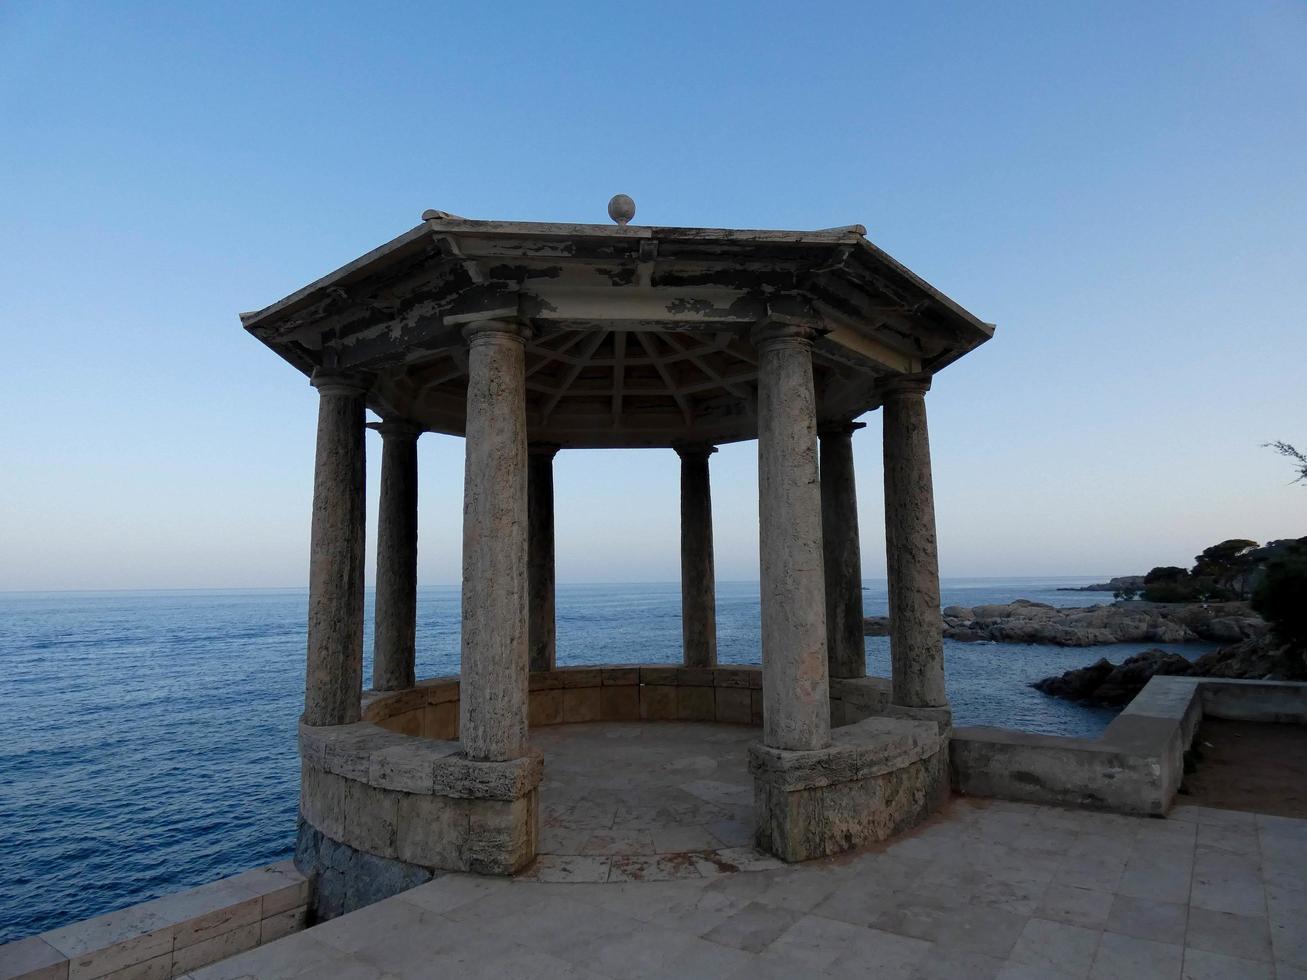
<point>698,583</point>
<point>916,641</point>
<point>845,647</point>
<point>333,680</point>
<point>493,692</point>
<point>796,694</point>
<point>540,554</point>
<point>395,620</point>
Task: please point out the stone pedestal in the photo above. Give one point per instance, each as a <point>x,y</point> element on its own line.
<point>493,707</point>
<point>333,679</point>
<point>845,646</point>
<point>698,581</point>
<point>395,622</point>
<point>916,629</point>
<point>878,778</point>
<point>796,697</point>
<point>542,641</point>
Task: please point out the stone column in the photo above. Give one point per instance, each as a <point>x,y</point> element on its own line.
<point>395,634</point>
<point>796,689</point>
<point>845,647</point>
<point>540,554</point>
<point>698,583</point>
<point>916,642</point>
<point>333,679</point>
<point>493,693</point>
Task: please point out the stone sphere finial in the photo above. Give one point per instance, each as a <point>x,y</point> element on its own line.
<point>621,208</point>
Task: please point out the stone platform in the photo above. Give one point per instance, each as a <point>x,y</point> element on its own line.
<point>983,890</point>
<point>631,801</point>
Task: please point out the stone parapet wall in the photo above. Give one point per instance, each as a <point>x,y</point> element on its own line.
<point>568,695</point>
<point>392,800</point>
<point>853,699</point>
<point>1138,763</point>
<point>879,777</point>
<point>387,794</point>
<point>169,936</point>
<point>381,811</point>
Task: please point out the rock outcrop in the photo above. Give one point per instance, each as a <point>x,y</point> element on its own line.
<point>1023,621</point>
<point>1105,683</point>
<point>1113,684</point>
<point>1120,583</point>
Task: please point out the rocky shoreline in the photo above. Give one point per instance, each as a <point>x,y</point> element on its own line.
<point>1114,685</point>
<point>1122,583</point>
<point>1023,621</point>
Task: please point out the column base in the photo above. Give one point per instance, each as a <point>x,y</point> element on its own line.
<point>878,778</point>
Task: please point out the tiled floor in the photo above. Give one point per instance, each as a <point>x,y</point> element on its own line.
<point>617,805</point>
<point>987,889</point>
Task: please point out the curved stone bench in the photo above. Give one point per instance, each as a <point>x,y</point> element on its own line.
<point>879,777</point>
<point>381,812</point>
<point>390,801</point>
<point>567,695</point>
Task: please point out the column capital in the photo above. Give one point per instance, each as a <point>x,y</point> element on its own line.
<point>488,331</point>
<point>838,427</point>
<point>329,381</point>
<point>549,449</point>
<point>905,384</point>
<point>694,450</point>
<point>773,334</point>
<point>398,429</point>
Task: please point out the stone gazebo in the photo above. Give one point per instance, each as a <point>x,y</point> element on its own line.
<point>527,339</point>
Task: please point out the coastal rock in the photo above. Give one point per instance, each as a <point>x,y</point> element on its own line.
<point>1261,657</point>
<point>875,626</point>
<point>1121,583</point>
<point>1104,683</point>
<point>1078,684</point>
<point>1233,629</point>
<point>1024,621</point>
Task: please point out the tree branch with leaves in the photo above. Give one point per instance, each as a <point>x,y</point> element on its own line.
<point>1288,451</point>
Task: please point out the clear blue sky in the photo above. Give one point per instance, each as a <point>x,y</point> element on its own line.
<point>1119,186</point>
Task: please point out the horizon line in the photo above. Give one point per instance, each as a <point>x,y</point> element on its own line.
<point>433,585</point>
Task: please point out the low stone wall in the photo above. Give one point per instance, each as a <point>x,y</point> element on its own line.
<point>391,801</point>
<point>381,812</point>
<point>728,695</point>
<point>169,936</point>
<point>853,699</point>
<point>1138,763</point>
<point>879,777</point>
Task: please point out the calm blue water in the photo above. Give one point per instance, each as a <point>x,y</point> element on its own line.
<point>147,739</point>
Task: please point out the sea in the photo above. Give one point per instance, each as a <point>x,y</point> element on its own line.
<point>148,739</point>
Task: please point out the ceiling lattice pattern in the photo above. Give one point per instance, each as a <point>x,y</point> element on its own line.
<point>657,382</point>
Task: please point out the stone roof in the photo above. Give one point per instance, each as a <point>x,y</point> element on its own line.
<point>639,335</point>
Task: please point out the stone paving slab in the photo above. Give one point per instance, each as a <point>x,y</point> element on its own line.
<point>985,890</point>
<point>633,802</point>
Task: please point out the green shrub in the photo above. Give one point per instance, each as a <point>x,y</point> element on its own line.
<point>1168,583</point>
<point>1281,596</point>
